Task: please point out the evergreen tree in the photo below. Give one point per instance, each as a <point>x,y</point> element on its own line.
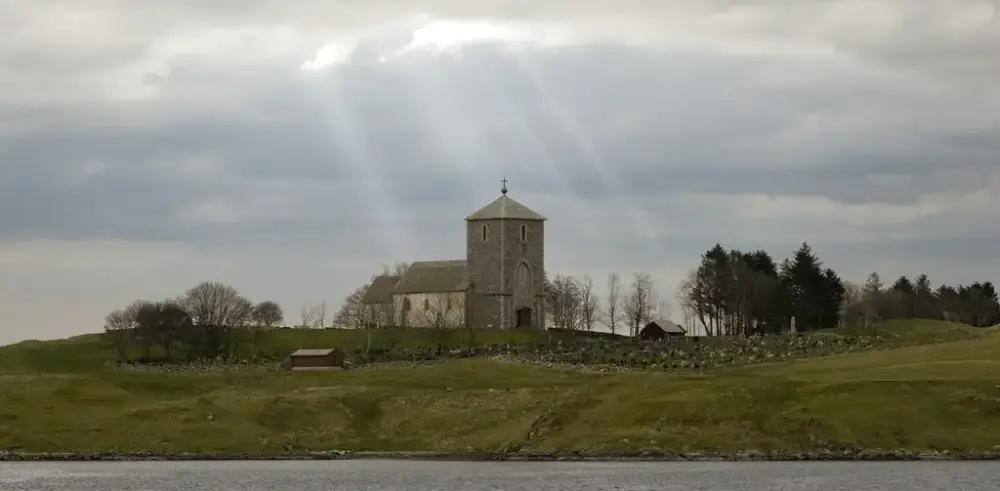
<point>740,293</point>
<point>807,288</point>
<point>903,294</point>
<point>925,304</point>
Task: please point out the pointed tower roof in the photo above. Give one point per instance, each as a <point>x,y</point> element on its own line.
<point>504,208</point>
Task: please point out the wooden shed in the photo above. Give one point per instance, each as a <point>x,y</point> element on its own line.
<point>316,359</point>
<point>660,329</point>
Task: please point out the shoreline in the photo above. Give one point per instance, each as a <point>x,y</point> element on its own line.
<point>650,455</point>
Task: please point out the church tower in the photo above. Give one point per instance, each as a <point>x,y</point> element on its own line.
<point>505,252</point>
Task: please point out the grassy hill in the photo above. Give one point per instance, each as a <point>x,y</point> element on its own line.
<point>928,396</point>
<point>91,352</point>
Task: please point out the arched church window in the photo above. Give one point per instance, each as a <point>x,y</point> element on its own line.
<point>524,233</point>
<point>486,231</point>
<point>523,274</point>
<point>427,304</point>
<point>406,303</point>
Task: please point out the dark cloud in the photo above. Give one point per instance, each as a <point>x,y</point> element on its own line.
<point>430,131</point>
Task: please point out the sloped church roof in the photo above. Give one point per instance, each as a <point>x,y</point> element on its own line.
<point>445,276</point>
<point>420,277</point>
<point>380,291</point>
<point>434,276</point>
<point>504,207</point>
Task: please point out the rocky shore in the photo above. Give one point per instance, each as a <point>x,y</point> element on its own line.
<point>538,456</point>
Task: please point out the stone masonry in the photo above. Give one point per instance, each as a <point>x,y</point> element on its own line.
<point>502,277</point>
<point>505,250</point>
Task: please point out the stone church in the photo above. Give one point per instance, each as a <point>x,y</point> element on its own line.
<point>498,285</point>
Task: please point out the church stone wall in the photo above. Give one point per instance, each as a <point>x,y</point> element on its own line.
<point>485,259</point>
<point>445,310</point>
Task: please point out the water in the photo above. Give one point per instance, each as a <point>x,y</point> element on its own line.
<point>513,476</point>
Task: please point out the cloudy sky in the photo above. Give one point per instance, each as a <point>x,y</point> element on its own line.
<point>291,148</point>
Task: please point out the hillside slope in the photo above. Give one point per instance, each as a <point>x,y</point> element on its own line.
<point>91,352</point>
<point>941,396</point>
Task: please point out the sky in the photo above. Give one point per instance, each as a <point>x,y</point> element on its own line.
<point>290,149</point>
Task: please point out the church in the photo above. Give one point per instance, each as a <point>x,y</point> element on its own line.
<point>499,284</point>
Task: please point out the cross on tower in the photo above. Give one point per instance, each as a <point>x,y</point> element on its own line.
<point>503,190</point>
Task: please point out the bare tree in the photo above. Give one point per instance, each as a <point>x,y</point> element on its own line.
<point>118,327</point>
<point>242,312</point>
<point>382,315</point>
<point>564,302</point>
<point>355,315</point>
<point>212,303</point>
<point>442,311</point>
<point>703,299</point>
<point>397,269</point>
<point>268,314</point>
<point>265,315</point>
<point>362,317</point>
<point>873,298</point>
<point>351,313</point>
<point>663,310</point>
<point>686,301</point>
<point>305,316</point>
<point>638,307</point>
<point>311,315</point>
<point>320,315</point>
<point>588,303</point>
<point>217,309</point>
<point>613,315</point>
<point>142,338</point>
<point>164,323</point>
<point>852,307</point>
<point>133,308</point>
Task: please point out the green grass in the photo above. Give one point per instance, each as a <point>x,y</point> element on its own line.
<point>910,331</point>
<point>90,352</point>
<point>935,396</point>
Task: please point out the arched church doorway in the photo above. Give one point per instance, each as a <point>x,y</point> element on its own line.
<point>523,317</point>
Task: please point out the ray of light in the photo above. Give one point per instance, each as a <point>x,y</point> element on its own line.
<point>532,153</point>
<point>529,153</point>
<point>446,38</point>
<point>395,234</point>
<point>433,94</point>
<point>566,122</point>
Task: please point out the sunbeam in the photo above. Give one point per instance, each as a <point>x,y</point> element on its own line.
<point>450,37</point>
<point>529,153</point>
<point>395,233</point>
<point>434,102</point>
<point>447,38</point>
<point>536,156</point>
<point>566,122</point>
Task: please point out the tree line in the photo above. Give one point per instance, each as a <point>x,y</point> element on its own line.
<point>570,304</point>
<point>729,293</point>
<point>740,293</point>
<point>748,293</point>
<point>974,304</point>
<point>209,320</point>
<point>626,307</point>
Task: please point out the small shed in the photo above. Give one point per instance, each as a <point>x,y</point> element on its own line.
<point>316,359</point>
<point>660,329</point>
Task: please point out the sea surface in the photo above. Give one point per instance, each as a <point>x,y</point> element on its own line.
<point>372,475</point>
